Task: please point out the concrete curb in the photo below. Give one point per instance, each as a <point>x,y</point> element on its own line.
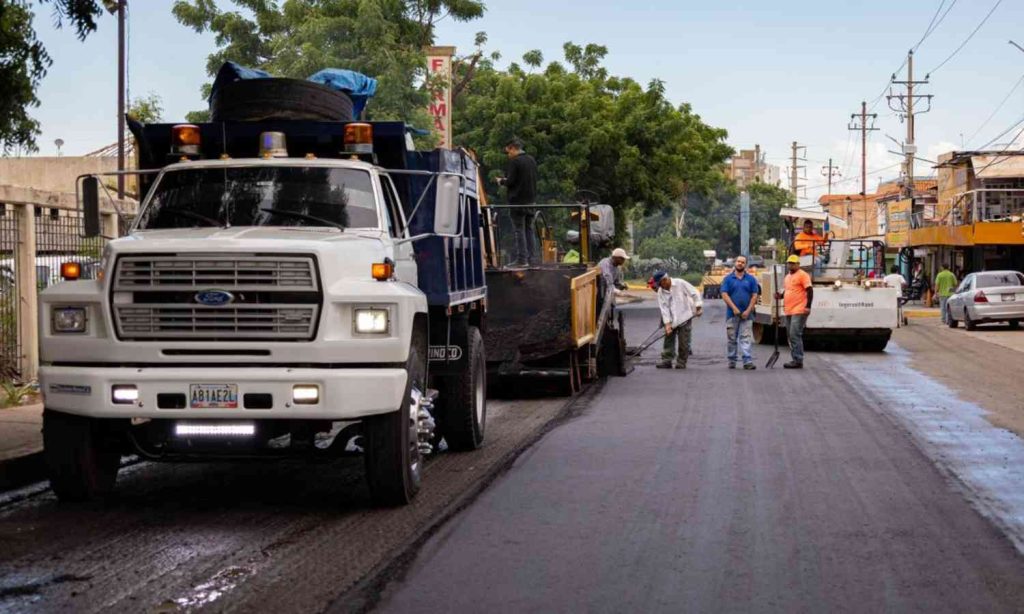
<point>22,470</point>
<point>920,313</point>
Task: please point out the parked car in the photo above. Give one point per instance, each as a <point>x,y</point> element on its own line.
<point>989,296</point>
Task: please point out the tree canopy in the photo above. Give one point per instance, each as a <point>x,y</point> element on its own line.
<point>588,129</point>
<point>296,38</point>
<point>24,62</point>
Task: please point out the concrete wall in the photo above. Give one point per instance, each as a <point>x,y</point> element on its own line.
<point>51,174</point>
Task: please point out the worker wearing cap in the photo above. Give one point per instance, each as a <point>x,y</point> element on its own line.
<point>796,305</point>
<point>611,270</point>
<point>679,303</point>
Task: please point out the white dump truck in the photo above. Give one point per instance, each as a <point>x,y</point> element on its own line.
<point>288,288</point>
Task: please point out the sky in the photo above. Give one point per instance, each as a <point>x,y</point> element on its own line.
<point>768,72</point>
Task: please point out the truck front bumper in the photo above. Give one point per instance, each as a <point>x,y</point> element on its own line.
<point>344,394</point>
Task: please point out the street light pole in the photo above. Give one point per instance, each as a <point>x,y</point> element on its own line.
<point>117,7</point>
<point>120,97</point>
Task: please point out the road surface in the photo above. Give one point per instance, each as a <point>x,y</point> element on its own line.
<point>712,490</point>
<point>269,537</point>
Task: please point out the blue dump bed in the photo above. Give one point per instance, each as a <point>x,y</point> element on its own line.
<point>451,269</point>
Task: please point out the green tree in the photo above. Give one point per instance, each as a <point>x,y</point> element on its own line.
<point>384,39</point>
<point>686,250</point>
<point>588,129</point>
<point>147,109</point>
<point>24,62</point>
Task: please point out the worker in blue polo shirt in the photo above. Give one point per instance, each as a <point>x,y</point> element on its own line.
<point>740,291</point>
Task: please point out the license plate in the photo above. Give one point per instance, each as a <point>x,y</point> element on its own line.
<point>213,396</point>
<point>1009,297</point>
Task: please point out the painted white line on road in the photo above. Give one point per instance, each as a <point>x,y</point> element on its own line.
<point>986,461</point>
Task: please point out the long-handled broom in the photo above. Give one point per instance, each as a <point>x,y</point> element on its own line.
<point>775,316</point>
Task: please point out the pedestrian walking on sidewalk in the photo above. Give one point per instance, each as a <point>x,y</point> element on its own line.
<point>945,283</point>
<point>740,291</point>
<point>796,305</point>
<point>521,183</point>
<point>679,303</point>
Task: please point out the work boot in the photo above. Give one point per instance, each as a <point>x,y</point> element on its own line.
<point>793,365</point>
<point>664,365</point>
<point>749,366</point>
<point>680,365</point>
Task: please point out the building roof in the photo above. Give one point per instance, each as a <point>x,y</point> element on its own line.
<point>957,158</point>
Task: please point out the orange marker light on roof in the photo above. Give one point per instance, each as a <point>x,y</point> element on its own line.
<point>382,271</point>
<point>185,139</point>
<point>70,271</point>
<point>359,138</point>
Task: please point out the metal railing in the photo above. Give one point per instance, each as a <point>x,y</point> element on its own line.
<point>985,205</point>
<point>39,231</point>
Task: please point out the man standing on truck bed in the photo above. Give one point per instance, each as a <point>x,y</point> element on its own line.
<point>521,183</point>
<point>740,291</point>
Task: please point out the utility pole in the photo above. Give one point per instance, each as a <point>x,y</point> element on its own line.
<point>757,163</point>
<point>830,171</point>
<point>117,7</point>
<point>904,105</point>
<point>864,128</point>
<point>794,174</point>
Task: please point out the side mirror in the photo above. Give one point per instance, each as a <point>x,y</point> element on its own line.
<point>91,207</point>
<point>446,206</point>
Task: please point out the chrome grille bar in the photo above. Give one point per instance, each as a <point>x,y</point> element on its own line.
<point>279,304</point>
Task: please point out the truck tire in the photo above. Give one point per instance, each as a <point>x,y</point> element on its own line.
<point>463,399</point>
<point>81,457</point>
<point>394,464</point>
<point>289,99</point>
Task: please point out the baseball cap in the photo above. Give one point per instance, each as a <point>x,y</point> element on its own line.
<point>618,252</point>
<point>658,276</point>
<point>793,258</point>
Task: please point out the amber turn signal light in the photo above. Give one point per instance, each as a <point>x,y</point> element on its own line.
<point>70,271</point>
<point>382,271</point>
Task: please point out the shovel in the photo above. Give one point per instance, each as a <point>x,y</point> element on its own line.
<point>654,337</point>
<point>775,288</point>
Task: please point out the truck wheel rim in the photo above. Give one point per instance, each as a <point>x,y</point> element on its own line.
<point>479,397</point>
<point>415,397</point>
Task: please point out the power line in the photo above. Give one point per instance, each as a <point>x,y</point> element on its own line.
<point>968,39</point>
<point>933,25</point>
<point>997,109</point>
<point>999,159</point>
<point>1003,133</point>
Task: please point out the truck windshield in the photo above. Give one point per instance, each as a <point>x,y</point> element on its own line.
<point>262,196</point>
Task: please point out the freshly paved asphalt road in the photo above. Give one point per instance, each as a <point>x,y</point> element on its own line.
<point>715,490</point>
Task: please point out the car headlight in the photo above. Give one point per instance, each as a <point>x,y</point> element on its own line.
<point>371,321</point>
<point>69,319</point>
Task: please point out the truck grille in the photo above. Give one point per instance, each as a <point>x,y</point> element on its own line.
<point>273,298</point>
<point>228,273</point>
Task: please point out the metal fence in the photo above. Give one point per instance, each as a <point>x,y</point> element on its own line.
<point>59,240</point>
<point>10,342</point>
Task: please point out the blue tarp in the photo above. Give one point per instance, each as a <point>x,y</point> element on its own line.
<point>358,86</point>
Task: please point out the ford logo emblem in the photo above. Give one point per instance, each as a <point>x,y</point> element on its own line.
<point>214,298</point>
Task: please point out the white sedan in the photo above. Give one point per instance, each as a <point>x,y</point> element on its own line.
<point>989,296</point>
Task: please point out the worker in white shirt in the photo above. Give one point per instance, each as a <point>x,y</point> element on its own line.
<point>895,280</point>
<point>679,303</point>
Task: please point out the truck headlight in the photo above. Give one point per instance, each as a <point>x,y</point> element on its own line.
<point>371,321</point>
<point>68,319</point>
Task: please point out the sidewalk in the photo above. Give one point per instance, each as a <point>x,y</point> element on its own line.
<point>21,445</point>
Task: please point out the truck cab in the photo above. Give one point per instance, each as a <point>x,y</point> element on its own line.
<point>288,288</point>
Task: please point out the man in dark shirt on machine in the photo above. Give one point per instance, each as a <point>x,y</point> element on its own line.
<point>521,183</point>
